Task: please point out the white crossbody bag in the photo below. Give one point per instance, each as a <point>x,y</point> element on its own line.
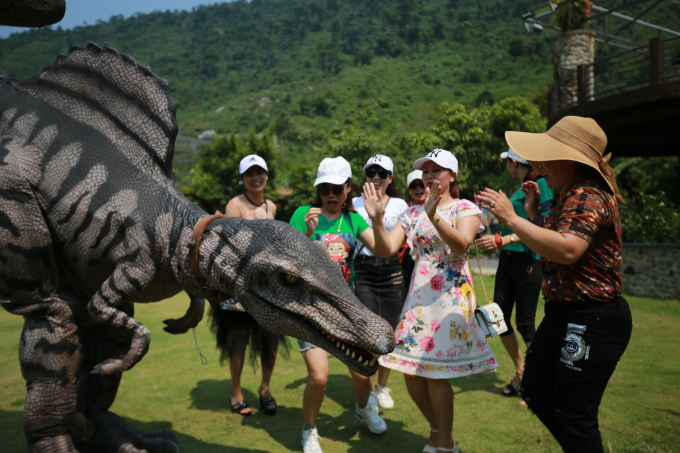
<point>490,316</point>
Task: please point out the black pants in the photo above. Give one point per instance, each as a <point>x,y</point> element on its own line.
<point>518,282</point>
<point>380,286</point>
<point>568,366</point>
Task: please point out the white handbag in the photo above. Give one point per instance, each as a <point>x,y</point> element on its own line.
<point>490,316</point>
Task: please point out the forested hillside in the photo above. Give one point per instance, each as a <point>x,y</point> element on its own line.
<point>306,64</point>
<point>354,78</point>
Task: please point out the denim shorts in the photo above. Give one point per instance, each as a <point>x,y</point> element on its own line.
<point>304,345</point>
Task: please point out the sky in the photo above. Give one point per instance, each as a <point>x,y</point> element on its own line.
<point>78,11</point>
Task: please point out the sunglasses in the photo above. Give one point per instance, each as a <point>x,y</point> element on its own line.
<point>539,220</point>
<point>382,173</point>
<point>416,185</point>
<point>326,189</point>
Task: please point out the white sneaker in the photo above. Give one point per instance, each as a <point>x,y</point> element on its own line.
<point>369,414</point>
<point>310,441</point>
<point>384,399</point>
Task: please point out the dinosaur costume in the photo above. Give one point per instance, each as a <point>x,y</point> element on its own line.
<point>92,221</point>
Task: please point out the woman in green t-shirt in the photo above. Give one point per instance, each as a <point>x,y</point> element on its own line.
<point>519,274</point>
<point>332,220</point>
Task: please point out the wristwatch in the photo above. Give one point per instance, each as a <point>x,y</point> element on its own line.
<point>436,219</point>
<point>512,238</point>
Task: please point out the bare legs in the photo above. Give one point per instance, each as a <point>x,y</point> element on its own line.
<point>434,398</point>
<point>383,375</point>
<point>512,346</point>
<point>316,360</point>
<point>236,369</point>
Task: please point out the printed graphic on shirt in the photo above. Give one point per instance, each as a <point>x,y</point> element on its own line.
<point>575,349</point>
<point>339,249</point>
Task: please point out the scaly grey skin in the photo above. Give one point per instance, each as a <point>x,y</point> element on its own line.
<point>31,13</point>
<point>92,221</point>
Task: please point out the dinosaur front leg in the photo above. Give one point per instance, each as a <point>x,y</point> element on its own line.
<point>103,307</point>
<point>50,354</point>
<point>191,318</point>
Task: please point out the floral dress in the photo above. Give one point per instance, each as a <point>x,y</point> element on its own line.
<point>438,336</point>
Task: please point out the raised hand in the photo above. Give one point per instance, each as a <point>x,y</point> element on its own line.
<point>498,204</point>
<point>312,220</point>
<point>487,242</point>
<point>533,193</point>
<point>372,202</point>
<point>432,197</point>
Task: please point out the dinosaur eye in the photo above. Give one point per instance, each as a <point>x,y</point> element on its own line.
<point>291,278</point>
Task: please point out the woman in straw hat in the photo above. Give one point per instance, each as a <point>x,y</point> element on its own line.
<point>587,324</point>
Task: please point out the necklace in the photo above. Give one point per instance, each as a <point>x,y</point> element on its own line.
<point>342,216</point>
<point>266,209</point>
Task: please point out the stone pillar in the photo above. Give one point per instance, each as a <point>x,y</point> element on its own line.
<point>569,50</point>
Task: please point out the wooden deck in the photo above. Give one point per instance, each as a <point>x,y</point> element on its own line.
<point>633,95</point>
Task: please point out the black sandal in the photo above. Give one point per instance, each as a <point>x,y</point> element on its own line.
<point>238,407</point>
<point>510,390</point>
<point>268,405</point>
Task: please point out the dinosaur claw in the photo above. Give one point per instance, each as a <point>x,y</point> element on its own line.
<point>108,367</point>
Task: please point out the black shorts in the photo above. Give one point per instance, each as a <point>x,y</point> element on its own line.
<point>380,286</point>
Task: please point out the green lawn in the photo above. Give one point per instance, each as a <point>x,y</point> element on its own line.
<point>171,389</point>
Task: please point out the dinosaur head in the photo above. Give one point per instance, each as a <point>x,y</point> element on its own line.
<point>291,286</point>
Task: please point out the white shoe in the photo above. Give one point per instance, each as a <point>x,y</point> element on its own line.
<point>369,414</point>
<point>310,441</point>
<point>384,399</point>
<point>454,449</point>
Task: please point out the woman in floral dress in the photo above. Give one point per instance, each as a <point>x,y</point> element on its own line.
<point>437,336</point>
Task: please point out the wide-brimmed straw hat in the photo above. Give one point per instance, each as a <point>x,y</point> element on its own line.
<point>571,138</point>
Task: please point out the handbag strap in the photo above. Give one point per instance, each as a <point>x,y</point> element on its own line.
<point>467,259</point>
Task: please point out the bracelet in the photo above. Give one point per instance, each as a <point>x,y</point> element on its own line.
<point>498,240</point>
<point>436,219</point>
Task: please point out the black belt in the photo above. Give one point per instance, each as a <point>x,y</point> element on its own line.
<point>394,259</point>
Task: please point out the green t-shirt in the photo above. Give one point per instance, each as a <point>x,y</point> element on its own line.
<point>339,235</point>
<point>517,200</point>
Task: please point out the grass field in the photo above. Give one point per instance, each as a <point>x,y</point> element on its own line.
<point>171,389</point>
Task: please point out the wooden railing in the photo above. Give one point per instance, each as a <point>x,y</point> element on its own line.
<point>649,65</point>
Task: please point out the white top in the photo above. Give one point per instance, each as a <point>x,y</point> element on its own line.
<point>393,211</point>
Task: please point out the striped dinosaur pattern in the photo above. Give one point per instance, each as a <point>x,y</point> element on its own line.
<point>91,221</point>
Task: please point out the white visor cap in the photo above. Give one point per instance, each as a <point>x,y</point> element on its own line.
<point>381,161</point>
<point>513,155</point>
<point>415,174</point>
<point>441,157</point>
<point>333,171</point>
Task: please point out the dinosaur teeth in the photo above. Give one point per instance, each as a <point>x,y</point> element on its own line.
<point>361,359</point>
<point>338,344</point>
<point>354,356</point>
<point>372,362</point>
<point>347,351</point>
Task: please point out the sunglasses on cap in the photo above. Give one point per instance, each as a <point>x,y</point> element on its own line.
<point>539,220</point>
<point>382,173</point>
<point>416,185</point>
<point>325,189</point>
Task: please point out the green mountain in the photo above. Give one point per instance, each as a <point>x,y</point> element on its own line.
<point>310,64</point>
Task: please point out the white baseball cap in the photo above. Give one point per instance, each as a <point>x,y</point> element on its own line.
<point>441,157</point>
<point>415,174</point>
<point>513,155</point>
<point>249,161</point>
<point>334,171</point>
<point>381,161</point>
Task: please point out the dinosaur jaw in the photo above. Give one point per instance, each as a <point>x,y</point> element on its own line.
<point>292,324</point>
